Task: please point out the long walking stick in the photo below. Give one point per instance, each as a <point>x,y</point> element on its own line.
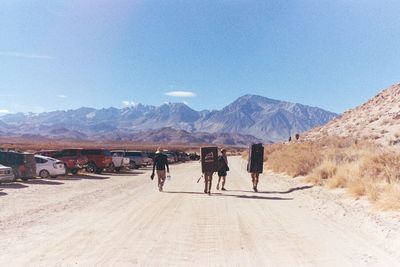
<point>200,178</point>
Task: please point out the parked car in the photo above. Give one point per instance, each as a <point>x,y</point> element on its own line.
<point>6,174</point>
<point>148,159</point>
<point>136,158</point>
<point>22,164</point>
<point>183,157</point>
<point>119,162</point>
<point>49,167</point>
<point>194,156</point>
<point>172,157</point>
<point>72,158</point>
<point>98,160</point>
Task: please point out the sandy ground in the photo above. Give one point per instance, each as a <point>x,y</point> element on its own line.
<point>122,220</point>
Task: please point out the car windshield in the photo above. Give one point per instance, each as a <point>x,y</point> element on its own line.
<point>107,153</point>
<point>133,154</point>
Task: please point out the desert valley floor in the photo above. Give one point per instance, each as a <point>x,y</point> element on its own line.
<point>122,220</point>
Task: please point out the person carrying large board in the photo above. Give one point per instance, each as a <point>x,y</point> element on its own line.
<point>209,165</point>
<point>255,163</point>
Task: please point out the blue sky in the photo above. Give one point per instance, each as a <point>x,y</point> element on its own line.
<point>67,54</point>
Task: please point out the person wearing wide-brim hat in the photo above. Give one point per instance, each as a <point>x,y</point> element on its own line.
<point>160,164</point>
<point>223,168</point>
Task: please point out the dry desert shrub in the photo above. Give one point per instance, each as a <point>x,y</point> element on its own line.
<point>390,198</point>
<point>293,159</point>
<point>362,167</point>
<point>382,167</point>
<point>327,169</point>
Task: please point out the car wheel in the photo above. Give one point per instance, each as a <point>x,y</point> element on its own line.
<point>44,174</point>
<point>117,169</point>
<point>132,165</point>
<point>91,167</point>
<point>16,174</point>
<point>112,167</point>
<point>73,171</point>
<point>98,170</point>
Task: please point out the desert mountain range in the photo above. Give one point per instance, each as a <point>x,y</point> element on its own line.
<point>250,118</point>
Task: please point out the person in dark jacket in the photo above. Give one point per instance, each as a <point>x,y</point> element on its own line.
<point>160,163</point>
<point>222,169</point>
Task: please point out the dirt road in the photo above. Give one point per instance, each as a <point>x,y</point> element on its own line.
<point>122,220</point>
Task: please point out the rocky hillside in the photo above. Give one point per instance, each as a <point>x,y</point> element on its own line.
<point>263,118</point>
<point>377,120</point>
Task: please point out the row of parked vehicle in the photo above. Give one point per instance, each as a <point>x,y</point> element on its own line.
<point>52,163</point>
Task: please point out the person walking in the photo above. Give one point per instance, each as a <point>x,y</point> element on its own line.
<point>255,164</point>
<point>222,169</point>
<point>160,163</point>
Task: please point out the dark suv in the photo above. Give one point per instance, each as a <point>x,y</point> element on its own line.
<point>22,164</point>
<point>98,159</point>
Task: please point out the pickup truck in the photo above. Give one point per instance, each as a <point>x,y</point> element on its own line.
<point>6,174</point>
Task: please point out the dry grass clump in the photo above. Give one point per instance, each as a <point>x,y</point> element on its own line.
<point>299,159</point>
<point>327,169</point>
<point>295,159</point>
<point>365,169</point>
<point>390,198</point>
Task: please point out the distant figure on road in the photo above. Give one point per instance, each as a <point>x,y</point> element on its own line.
<point>255,163</point>
<point>297,137</point>
<point>290,139</point>
<point>222,169</point>
<point>160,162</point>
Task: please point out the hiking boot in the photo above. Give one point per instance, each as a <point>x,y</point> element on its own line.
<point>217,186</point>
<point>255,189</point>
<point>209,193</point>
<point>205,191</point>
<point>223,189</point>
<point>160,188</point>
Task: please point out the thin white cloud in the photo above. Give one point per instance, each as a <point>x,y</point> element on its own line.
<point>180,94</point>
<point>62,96</point>
<point>128,103</point>
<point>24,55</point>
<point>4,111</point>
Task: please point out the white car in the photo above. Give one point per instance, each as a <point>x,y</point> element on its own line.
<point>48,167</point>
<point>6,174</point>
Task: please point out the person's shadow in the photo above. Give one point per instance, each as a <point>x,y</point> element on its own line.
<point>291,190</point>
<point>229,195</point>
<point>3,193</point>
